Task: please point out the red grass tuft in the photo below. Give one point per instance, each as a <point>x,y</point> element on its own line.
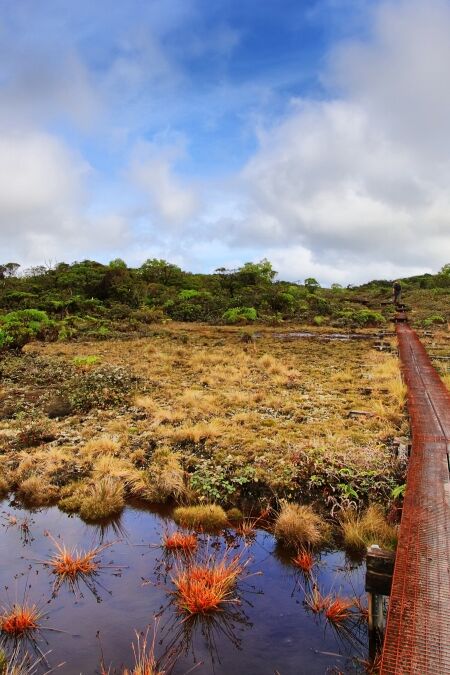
<point>202,588</point>
<point>179,541</point>
<point>316,601</point>
<point>338,609</point>
<point>19,620</point>
<point>304,560</point>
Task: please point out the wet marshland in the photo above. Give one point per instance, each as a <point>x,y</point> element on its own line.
<point>270,629</point>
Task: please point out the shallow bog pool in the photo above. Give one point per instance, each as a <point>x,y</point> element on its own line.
<point>269,630</point>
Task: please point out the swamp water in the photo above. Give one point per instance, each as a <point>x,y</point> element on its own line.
<point>270,631</point>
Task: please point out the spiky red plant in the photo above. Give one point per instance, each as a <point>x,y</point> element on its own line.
<point>304,560</point>
<point>315,601</point>
<point>179,541</point>
<point>19,620</point>
<point>338,609</point>
<point>203,587</point>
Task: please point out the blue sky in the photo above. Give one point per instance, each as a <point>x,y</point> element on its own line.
<point>212,133</point>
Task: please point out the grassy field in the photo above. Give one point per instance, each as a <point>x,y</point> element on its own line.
<point>200,414</point>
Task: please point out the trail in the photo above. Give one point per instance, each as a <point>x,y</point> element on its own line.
<point>417,638</point>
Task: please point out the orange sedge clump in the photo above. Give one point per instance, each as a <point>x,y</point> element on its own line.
<point>71,564</point>
<point>316,601</point>
<point>338,609</point>
<point>304,560</point>
<point>202,588</point>
<point>19,620</point>
<point>179,541</point>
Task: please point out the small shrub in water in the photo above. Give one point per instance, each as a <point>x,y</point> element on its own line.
<point>207,517</point>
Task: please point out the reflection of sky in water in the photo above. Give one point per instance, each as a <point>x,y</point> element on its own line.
<point>270,631</point>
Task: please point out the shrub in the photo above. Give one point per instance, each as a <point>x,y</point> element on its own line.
<point>434,319</point>
<point>297,526</point>
<point>207,517</point>
<point>18,328</point>
<point>239,315</point>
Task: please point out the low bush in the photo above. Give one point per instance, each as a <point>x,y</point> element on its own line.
<point>18,328</point>
<point>239,315</point>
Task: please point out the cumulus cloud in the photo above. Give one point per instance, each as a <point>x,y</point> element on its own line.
<point>361,180</point>
<point>43,201</point>
<point>171,200</point>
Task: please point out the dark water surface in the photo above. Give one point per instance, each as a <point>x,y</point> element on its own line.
<point>270,631</point>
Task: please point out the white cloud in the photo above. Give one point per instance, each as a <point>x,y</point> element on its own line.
<point>172,200</point>
<point>361,181</point>
<point>43,202</point>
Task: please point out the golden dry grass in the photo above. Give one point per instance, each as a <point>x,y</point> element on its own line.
<point>361,531</point>
<point>205,517</point>
<point>298,525</point>
<point>275,406</point>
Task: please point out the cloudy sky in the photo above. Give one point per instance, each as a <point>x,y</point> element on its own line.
<point>315,133</point>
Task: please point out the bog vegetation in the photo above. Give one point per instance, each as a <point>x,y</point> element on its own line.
<point>165,386</point>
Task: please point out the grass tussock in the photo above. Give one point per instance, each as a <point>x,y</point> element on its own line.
<point>4,486</point>
<point>104,445</point>
<point>180,541</point>
<point>361,531</point>
<point>20,620</point>
<point>208,517</point>
<point>338,610</point>
<point>70,566</point>
<point>203,587</point>
<point>94,500</point>
<point>145,661</point>
<point>165,477</point>
<point>35,491</point>
<point>298,525</point>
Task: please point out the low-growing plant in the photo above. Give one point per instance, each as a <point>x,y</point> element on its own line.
<point>298,525</point>
<point>239,315</point>
<point>103,387</point>
<point>208,517</point>
<point>361,531</point>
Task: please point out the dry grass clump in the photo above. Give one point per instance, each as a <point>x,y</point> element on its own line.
<point>203,587</point>
<point>195,433</point>
<point>298,525</point>
<point>103,445</point>
<point>122,471</point>
<point>4,486</point>
<point>145,661</point>
<point>70,566</point>
<point>93,501</point>
<point>206,517</point>
<point>338,609</point>
<point>36,491</point>
<point>165,477</point>
<point>361,531</point>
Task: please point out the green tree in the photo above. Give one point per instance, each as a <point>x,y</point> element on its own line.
<point>161,272</point>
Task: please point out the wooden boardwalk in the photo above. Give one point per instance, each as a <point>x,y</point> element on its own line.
<point>417,638</point>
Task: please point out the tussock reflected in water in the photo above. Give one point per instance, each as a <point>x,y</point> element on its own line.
<point>267,627</point>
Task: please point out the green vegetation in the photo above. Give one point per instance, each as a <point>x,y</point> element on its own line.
<point>91,300</point>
